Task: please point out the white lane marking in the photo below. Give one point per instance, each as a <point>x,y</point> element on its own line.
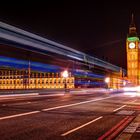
<point>119,108</point>
<point>133,101</point>
<point>53,108</point>
<point>18,115</point>
<point>63,106</point>
<point>79,127</point>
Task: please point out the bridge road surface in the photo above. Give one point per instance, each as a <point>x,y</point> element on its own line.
<point>83,115</point>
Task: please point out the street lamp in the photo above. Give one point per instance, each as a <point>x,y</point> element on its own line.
<point>107,80</point>
<point>124,83</point>
<point>65,75</point>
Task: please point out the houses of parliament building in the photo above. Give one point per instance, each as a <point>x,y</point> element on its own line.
<point>19,79</point>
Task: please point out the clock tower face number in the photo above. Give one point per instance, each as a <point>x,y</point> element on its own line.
<point>132,45</point>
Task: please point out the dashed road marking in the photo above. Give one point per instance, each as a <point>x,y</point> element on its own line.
<point>133,101</point>
<point>79,127</point>
<point>75,104</point>
<point>18,115</point>
<point>119,108</point>
<point>54,108</point>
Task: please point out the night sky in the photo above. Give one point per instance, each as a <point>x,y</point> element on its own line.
<point>99,29</point>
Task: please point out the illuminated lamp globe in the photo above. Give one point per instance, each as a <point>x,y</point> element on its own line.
<point>107,79</point>
<point>65,74</point>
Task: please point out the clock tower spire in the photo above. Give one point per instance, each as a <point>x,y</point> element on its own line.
<point>132,27</point>
<point>132,48</point>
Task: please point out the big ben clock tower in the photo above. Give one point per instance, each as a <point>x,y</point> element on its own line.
<point>132,48</point>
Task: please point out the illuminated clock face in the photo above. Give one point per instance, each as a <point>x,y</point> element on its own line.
<point>132,45</point>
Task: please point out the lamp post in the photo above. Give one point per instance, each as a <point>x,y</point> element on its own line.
<point>107,80</point>
<point>65,75</point>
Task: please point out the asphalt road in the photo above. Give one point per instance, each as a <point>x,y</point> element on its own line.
<point>77,115</point>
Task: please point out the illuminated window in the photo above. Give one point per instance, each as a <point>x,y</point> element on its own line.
<point>135,64</point>
<point>128,65</point>
<point>132,57</point>
<point>136,72</point>
<point>133,72</point>
<point>129,57</point>
<point>132,65</point>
